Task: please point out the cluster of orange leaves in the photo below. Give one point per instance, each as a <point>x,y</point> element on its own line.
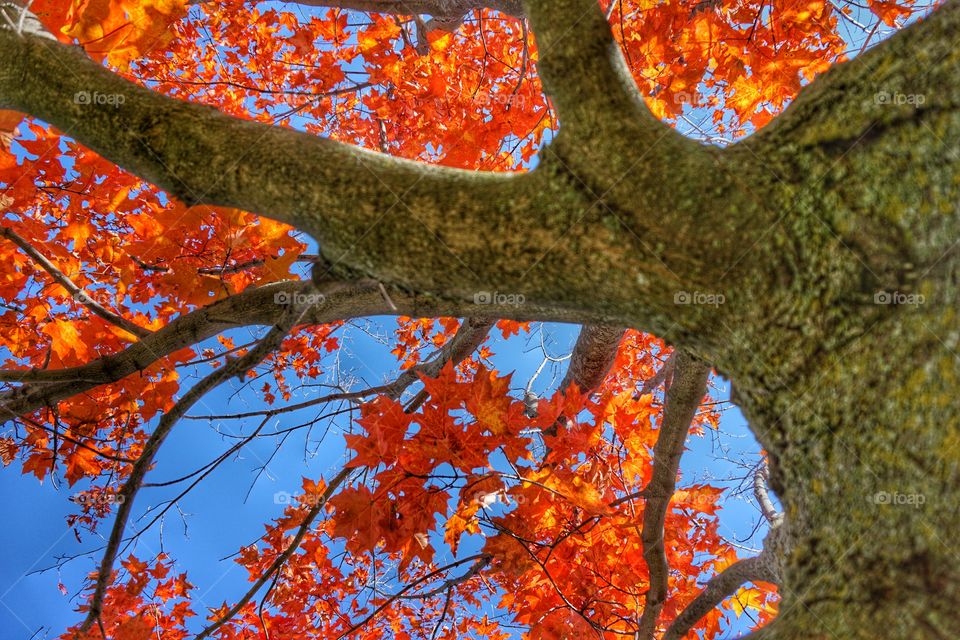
<point>145,596</point>
<point>463,471</point>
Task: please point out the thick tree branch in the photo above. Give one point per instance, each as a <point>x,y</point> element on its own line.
<point>685,394</point>
<point>257,306</point>
<point>584,73</point>
<point>719,588</point>
<point>201,155</point>
<point>593,355</point>
<point>609,141</point>
<point>572,230</point>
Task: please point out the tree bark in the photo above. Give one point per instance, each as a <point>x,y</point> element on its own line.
<point>681,400</point>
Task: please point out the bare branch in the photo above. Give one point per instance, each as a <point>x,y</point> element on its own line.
<point>167,421</point>
<point>681,401</point>
<point>255,306</point>
<point>468,337</point>
<point>482,561</point>
<point>78,443</point>
<point>281,559</point>
<point>719,588</point>
<point>478,559</point>
<point>762,493</point>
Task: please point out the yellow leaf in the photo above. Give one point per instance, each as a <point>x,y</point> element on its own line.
<point>78,232</point>
<point>65,339</point>
<point>747,598</point>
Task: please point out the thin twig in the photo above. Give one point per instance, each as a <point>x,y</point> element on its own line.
<point>78,294</point>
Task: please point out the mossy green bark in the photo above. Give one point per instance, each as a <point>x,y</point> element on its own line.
<point>848,370</point>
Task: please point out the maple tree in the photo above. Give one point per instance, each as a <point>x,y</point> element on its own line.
<point>173,171</point>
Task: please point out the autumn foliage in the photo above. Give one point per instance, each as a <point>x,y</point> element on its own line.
<point>469,498</point>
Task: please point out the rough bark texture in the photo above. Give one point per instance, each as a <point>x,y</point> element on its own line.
<point>483,231</point>
<point>592,357</point>
<point>853,399</point>
<point>717,590</point>
<point>681,400</point>
<point>256,306</point>
<point>808,229</point>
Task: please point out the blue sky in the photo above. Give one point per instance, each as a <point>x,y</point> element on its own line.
<point>228,510</point>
